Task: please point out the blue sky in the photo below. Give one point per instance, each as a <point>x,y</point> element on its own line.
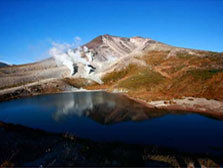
<point>28,27</point>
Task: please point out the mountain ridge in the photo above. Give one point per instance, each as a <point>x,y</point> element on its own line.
<point>140,68</point>
<point>3,64</point>
<point>99,38</point>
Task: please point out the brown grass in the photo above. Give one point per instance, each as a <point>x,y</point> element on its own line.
<point>143,79</point>
<point>190,75</point>
<point>117,75</point>
<point>155,58</point>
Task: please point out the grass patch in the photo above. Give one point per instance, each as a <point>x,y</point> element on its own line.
<point>198,83</point>
<point>184,55</point>
<point>143,79</point>
<point>117,75</point>
<point>203,74</point>
<point>155,57</point>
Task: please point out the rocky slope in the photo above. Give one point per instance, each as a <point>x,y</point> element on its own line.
<point>22,74</point>
<point>109,53</point>
<point>145,69</point>
<point>120,52</point>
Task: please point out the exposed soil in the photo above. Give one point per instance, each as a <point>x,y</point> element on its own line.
<point>211,108</point>
<point>35,88</point>
<point>47,86</point>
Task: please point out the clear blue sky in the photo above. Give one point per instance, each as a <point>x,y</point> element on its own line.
<point>28,27</point>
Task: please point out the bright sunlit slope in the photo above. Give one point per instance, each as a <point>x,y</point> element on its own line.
<point>141,67</point>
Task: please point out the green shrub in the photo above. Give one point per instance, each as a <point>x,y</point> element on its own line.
<point>203,74</point>
<point>143,79</point>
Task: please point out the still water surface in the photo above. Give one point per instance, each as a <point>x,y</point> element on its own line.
<point>102,116</point>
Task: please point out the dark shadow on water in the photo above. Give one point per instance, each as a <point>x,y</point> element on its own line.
<point>107,118</point>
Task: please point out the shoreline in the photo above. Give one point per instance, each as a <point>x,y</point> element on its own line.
<point>203,106</point>
<point>62,147</point>
<point>174,105</point>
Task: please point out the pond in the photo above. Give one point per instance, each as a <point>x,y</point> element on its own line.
<point>108,117</point>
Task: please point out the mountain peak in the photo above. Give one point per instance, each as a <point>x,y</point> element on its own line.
<point>138,37</point>
<point>95,42</point>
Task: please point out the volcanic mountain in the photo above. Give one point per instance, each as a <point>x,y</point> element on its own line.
<point>142,68</point>
<point>110,52</point>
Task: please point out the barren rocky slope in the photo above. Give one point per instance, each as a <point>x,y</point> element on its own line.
<point>22,74</point>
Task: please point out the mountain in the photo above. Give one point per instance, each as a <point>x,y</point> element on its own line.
<point>2,64</point>
<point>17,75</point>
<point>116,53</point>
<point>107,46</point>
<point>141,68</point>
<point>169,76</point>
<point>110,52</point>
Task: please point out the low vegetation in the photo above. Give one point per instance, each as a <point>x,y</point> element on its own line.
<point>199,83</point>
<point>167,77</point>
<point>203,74</point>
<point>184,55</point>
<point>117,75</point>
<point>155,57</point>
<point>143,79</point>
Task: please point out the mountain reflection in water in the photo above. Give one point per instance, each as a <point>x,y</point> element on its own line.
<point>100,106</point>
<point>104,117</point>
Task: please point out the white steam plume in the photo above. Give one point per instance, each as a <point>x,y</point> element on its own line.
<point>74,56</point>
